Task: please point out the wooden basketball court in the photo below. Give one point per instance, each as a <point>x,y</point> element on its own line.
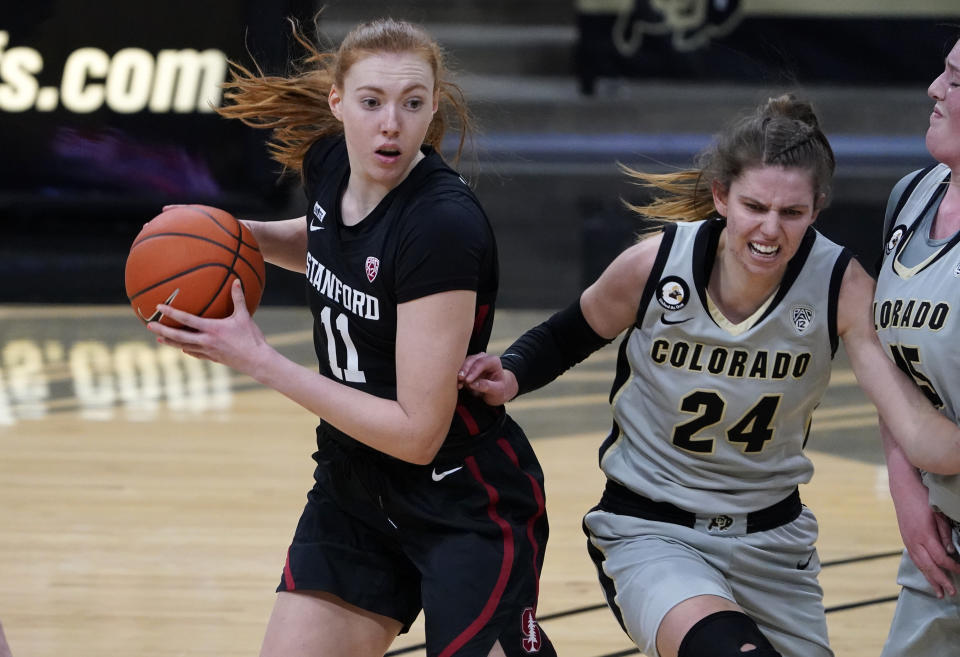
<point>147,500</point>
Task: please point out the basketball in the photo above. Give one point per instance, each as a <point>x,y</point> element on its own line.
<point>187,257</point>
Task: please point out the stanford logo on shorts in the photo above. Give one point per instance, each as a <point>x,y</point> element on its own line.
<point>531,631</point>
<point>372,267</point>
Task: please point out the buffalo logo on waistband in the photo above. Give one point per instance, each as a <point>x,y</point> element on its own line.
<point>673,293</point>
<point>720,523</point>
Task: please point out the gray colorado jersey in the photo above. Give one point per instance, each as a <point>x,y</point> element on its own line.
<point>714,418</point>
<point>913,304</point>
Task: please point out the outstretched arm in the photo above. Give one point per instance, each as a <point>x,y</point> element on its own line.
<point>929,440</point>
<point>282,243</point>
<point>543,353</point>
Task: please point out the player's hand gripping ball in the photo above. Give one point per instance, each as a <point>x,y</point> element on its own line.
<point>187,257</point>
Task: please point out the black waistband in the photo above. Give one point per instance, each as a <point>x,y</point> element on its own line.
<point>621,500</point>
<point>455,447</point>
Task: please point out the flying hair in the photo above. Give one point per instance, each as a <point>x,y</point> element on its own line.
<point>295,109</point>
<point>783,131</point>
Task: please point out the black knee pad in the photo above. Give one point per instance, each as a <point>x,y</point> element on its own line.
<point>724,634</point>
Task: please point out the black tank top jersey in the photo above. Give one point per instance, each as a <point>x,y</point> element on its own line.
<point>428,235</point>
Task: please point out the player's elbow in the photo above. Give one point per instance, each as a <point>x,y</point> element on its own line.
<point>934,447</point>
<point>935,463</point>
<point>423,444</point>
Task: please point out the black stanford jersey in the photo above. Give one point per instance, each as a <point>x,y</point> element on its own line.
<point>428,235</point>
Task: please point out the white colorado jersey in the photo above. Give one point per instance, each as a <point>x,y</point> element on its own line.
<point>913,309</point>
<point>711,417</point>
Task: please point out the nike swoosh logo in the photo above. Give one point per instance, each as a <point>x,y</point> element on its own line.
<point>157,314</point>
<point>312,227</point>
<point>803,565</point>
<point>663,318</point>
<point>437,476</point>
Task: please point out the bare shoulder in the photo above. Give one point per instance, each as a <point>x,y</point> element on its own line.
<point>634,264</point>
<point>611,303</point>
<point>856,299</point>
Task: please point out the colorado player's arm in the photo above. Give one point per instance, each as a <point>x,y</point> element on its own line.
<point>603,311</point>
<point>282,243</point>
<point>928,438</point>
<point>432,337</point>
<point>925,533</point>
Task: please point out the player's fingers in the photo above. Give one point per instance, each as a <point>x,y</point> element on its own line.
<point>196,354</point>
<point>945,532</point>
<point>925,562</point>
<point>239,303</point>
<point>939,581</point>
<point>175,336</point>
<point>943,560</point>
<point>185,318</point>
<point>482,368</point>
<point>946,564</point>
<point>468,363</point>
<point>479,387</point>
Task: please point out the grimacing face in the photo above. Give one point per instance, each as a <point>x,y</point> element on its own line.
<point>943,135</point>
<point>386,105</point>
<point>768,210</point>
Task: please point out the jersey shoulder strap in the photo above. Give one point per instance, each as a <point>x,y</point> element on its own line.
<point>904,196</point>
<point>890,219</point>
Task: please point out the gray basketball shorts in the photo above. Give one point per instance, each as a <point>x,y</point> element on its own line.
<point>923,625</point>
<point>646,567</point>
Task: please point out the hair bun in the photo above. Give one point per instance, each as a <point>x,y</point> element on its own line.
<point>790,107</point>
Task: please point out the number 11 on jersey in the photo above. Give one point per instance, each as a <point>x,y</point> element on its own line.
<point>352,371</point>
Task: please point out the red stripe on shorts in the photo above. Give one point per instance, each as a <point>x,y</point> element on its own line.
<point>505,565</point>
<point>288,574</point>
<point>541,507</point>
<point>480,317</point>
<point>472,427</point>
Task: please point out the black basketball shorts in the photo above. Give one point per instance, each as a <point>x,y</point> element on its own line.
<point>462,538</point>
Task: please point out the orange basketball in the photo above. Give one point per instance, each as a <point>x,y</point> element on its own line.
<point>187,257</point>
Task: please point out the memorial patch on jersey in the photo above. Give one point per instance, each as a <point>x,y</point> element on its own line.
<point>956,270</point>
<point>372,267</point>
<point>895,238</point>
<point>673,293</point>
<point>802,317</point>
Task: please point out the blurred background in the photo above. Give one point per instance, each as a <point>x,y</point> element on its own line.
<point>105,117</point>
<point>147,498</point>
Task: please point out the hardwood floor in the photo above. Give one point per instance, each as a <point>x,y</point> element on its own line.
<point>146,501</point>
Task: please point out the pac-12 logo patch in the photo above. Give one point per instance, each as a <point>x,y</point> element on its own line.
<point>673,293</point>
<point>531,640</point>
<point>895,238</point>
<point>372,267</point>
<point>802,318</point>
